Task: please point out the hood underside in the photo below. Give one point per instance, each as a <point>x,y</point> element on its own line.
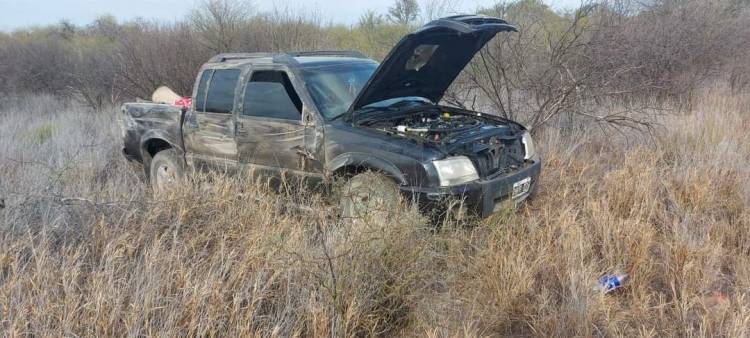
<point>426,62</point>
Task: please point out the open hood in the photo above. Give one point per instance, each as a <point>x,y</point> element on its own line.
<point>425,63</point>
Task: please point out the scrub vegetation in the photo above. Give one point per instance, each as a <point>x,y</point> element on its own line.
<point>640,113</point>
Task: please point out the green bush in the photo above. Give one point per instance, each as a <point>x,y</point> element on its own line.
<point>41,134</point>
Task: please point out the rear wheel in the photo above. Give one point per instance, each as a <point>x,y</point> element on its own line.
<point>369,197</point>
<point>167,169</point>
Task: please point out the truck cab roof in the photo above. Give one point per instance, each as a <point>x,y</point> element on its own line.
<point>291,59</point>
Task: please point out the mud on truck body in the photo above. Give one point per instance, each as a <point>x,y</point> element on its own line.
<point>322,115</point>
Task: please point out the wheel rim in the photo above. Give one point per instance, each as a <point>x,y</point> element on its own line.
<point>165,177</point>
<point>365,205</point>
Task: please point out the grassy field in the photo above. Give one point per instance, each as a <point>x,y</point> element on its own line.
<point>86,251</point>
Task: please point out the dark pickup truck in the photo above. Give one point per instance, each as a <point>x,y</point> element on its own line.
<point>323,115</point>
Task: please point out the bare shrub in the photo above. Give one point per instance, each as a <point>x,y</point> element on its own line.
<point>434,9</point>
<point>373,36</point>
<point>151,55</point>
<point>676,45</point>
<point>560,63</point>
<point>564,67</point>
<point>403,12</point>
<point>547,71</point>
<point>92,72</point>
<point>286,29</point>
<point>34,60</point>
<point>219,24</point>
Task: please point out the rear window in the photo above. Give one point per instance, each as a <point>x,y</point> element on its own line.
<point>200,96</point>
<point>220,98</point>
<point>271,94</point>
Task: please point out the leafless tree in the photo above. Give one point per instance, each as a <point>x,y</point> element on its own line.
<point>403,12</point>
<point>285,29</point>
<point>556,67</point>
<point>37,64</point>
<point>91,76</point>
<point>220,23</point>
<point>370,20</point>
<point>151,55</point>
<point>434,9</point>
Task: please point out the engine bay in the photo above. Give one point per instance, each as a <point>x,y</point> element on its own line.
<point>494,146</point>
<point>438,127</point>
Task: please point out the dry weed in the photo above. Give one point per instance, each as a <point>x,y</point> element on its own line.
<point>85,251</point>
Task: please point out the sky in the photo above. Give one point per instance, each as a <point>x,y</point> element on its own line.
<point>22,13</point>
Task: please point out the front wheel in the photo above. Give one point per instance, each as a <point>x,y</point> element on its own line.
<point>167,169</point>
<point>369,197</point>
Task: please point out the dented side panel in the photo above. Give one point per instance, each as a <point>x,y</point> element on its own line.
<point>209,140</point>
<point>270,142</point>
<point>279,145</point>
<point>210,136</point>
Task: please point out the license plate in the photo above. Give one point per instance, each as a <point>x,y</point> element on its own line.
<point>521,187</point>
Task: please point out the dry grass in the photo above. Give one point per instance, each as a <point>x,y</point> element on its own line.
<point>84,251</point>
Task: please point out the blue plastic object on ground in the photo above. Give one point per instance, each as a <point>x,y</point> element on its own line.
<point>609,283</point>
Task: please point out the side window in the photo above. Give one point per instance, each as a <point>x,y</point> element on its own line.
<point>200,96</point>
<point>271,94</point>
<point>220,98</point>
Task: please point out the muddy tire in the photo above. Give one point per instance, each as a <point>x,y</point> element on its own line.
<point>167,170</point>
<point>369,198</point>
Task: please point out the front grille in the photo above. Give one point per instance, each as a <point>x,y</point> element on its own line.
<point>500,158</point>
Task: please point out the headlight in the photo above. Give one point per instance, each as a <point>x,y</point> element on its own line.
<point>455,170</point>
<point>528,146</point>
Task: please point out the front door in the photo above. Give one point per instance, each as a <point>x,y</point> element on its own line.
<point>270,131</point>
<point>209,127</point>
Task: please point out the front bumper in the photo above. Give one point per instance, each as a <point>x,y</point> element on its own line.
<point>483,197</point>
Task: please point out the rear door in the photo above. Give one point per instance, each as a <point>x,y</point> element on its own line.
<point>209,127</point>
<point>270,130</point>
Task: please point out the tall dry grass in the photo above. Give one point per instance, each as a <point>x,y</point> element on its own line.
<point>85,251</point>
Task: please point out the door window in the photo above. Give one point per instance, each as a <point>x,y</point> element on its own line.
<point>271,94</point>
<point>220,98</point>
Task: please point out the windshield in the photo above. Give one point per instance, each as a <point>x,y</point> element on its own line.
<point>334,87</point>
